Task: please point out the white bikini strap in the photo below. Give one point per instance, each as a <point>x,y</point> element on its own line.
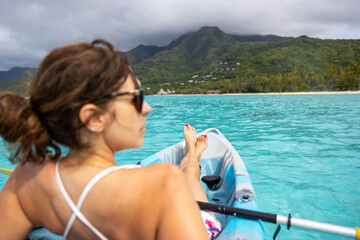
<point>72,205</point>
<point>88,187</point>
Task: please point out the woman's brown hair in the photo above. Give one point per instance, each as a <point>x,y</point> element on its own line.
<point>67,79</point>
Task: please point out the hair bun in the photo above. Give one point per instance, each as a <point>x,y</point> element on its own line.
<point>20,127</point>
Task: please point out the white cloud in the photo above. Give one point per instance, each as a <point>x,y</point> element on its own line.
<point>30,28</point>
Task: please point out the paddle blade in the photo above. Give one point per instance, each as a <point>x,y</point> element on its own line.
<point>6,171</point>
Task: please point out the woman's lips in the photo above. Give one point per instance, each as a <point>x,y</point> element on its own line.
<point>143,129</point>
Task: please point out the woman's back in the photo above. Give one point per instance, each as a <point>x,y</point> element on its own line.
<point>123,205</point>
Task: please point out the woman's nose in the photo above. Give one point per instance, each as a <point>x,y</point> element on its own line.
<point>146,108</point>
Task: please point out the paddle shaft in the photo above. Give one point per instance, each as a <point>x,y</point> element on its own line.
<point>286,220</point>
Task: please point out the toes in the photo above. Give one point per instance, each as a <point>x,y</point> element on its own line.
<point>191,128</point>
<point>205,138</point>
<point>202,138</point>
<point>188,127</point>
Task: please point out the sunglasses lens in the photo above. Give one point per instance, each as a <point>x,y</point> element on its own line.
<point>139,100</point>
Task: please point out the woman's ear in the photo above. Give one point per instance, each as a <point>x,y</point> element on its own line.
<point>92,117</point>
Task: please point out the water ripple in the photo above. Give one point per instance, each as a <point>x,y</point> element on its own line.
<point>302,152</point>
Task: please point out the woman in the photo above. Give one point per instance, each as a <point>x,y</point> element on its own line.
<point>87,98</point>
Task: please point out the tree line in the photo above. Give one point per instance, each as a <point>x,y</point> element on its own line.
<point>345,79</point>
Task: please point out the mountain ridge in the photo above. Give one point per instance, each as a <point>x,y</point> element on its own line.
<point>202,53</point>
<point>215,56</point>
<point>13,72</point>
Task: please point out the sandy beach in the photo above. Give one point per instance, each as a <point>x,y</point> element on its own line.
<point>297,93</point>
<point>273,93</point>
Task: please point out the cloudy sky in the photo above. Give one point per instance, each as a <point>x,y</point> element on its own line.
<point>31,28</point>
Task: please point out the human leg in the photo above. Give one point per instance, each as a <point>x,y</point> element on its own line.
<point>189,160</point>
<point>190,165</point>
<point>191,169</point>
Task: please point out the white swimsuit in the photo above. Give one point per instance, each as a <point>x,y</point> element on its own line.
<point>211,223</point>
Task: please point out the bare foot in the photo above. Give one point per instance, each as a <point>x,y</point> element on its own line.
<point>189,161</point>
<point>200,146</point>
<point>189,135</point>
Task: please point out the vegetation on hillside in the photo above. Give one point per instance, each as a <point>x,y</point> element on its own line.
<point>333,79</point>
<point>19,82</point>
<point>211,61</point>
<point>141,53</point>
<point>13,72</point>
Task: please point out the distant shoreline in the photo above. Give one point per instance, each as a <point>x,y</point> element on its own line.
<point>297,93</point>
<point>272,93</point>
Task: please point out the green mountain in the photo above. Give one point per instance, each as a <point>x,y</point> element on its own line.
<point>186,56</point>
<point>210,55</point>
<point>211,60</point>
<point>13,72</point>
<point>141,53</point>
<point>261,38</point>
<point>14,79</point>
<point>304,53</point>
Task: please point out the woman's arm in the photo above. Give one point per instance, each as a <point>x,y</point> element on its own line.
<point>181,217</point>
<point>13,221</point>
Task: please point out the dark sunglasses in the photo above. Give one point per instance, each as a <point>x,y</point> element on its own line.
<point>138,97</point>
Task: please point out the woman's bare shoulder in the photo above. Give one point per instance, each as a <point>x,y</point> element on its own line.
<point>139,187</point>
<point>37,174</point>
<point>127,195</point>
<point>148,177</point>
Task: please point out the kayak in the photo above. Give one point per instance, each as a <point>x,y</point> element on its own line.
<point>225,180</point>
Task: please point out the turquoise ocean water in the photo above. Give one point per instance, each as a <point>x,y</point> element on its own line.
<point>302,151</point>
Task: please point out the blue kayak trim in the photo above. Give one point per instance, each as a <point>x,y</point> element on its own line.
<point>151,160</point>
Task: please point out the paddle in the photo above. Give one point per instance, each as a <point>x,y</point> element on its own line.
<point>286,220</point>
<point>6,171</point>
